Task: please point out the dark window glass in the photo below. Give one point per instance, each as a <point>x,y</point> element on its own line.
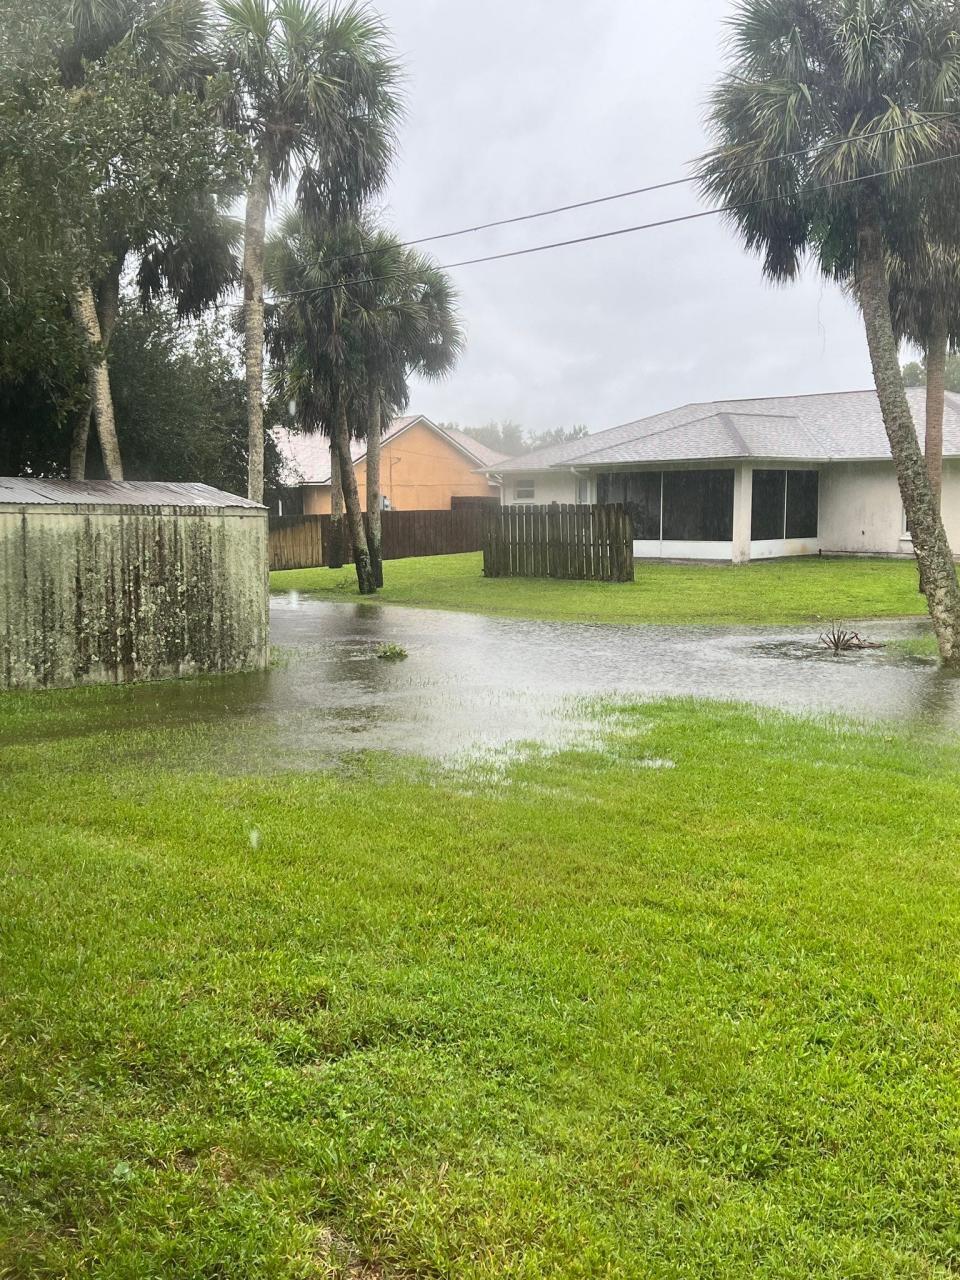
<point>803,503</point>
<point>698,506</point>
<point>639,491</point>
<point>769,488</point>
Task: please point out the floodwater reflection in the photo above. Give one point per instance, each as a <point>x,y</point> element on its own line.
<point>471,683</point>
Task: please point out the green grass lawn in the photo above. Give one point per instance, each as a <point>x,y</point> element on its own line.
<point>582,1015</point>
<point>773,591</point>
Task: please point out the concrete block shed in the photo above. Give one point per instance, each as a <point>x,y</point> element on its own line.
<point>106,582</point>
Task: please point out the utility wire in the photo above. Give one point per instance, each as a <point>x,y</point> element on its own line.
<point>624,231</point>
<point>636,191</point>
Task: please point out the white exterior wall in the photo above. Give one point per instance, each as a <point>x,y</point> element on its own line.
<point>548,486</point>
<point>860,513</point>
<point>950,502</point>
<point>860,509</point>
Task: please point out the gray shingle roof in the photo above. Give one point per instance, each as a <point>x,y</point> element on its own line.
<point>28,492</point>
<point>837,426</point>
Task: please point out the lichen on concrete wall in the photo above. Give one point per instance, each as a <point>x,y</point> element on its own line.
<point>112,594</point>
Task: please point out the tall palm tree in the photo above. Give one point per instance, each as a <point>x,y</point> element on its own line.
<point>828,105</point>
<point>319,276</point>
<point>925,301</point>
<point>356,314</point>
<point>316,95</point>
<point>413,329</point>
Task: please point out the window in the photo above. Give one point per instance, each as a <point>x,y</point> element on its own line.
<point>769,505</point>
<point>639,491</point>
<point>688,506</point>
<point>785,505</point>
<point>803,504</point>
<point>583,491</point>
<point>698,506</point>
<point>524,491</point>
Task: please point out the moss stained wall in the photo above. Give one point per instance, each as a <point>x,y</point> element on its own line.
<point>111,594</point>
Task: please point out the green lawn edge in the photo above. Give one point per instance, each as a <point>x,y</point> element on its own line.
<point>811,590</point>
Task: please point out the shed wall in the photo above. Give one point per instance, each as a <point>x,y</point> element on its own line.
<point>105,595</point>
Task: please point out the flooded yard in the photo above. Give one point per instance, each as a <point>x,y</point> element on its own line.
<point>472,683</point>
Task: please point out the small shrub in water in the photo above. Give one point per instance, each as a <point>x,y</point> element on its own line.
<point>840,641</point>
<point>392,652</point>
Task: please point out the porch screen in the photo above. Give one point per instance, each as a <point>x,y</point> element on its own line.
<point>698,506</point>
<point>785,505</point>
<point>639,491</point>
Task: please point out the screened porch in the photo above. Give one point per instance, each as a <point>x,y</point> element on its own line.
<point>733,513</point>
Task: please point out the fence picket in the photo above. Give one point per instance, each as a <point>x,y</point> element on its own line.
<point>559,541</point>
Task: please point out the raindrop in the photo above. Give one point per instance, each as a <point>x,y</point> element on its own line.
<point>254,837</point>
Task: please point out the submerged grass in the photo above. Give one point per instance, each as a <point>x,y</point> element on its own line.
<point>782,591</point>
<point>682,1005</point>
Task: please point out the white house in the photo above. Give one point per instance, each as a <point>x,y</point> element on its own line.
<point>746,479</point>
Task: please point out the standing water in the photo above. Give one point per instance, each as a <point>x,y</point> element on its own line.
<point>471,683</point>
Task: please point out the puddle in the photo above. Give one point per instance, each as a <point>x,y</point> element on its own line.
<point>474,684</point>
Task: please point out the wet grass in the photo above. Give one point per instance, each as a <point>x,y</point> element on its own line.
<point>783,591</point>
<point>924,646</point>
<point>584,1015</point>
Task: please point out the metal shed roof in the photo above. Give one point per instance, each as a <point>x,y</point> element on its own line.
<point>24,491</point>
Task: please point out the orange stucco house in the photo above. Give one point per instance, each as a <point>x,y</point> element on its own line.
<point>423,467</point>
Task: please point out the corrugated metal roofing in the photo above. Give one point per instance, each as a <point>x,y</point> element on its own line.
<point>25,491</point>
<point>836,426</point>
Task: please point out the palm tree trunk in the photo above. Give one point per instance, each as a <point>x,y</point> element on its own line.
<point>108,312</point>
<point>936,394</point>
<point>335,558</point>
<point>254,237</point>
<point>374,433</point>
<point>101,400</point>
<point>938,572</point>
<point>351,499</point>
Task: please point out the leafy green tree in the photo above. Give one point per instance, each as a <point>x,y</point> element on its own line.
<point>915,373</point>
<point>315,92</point>
<point>828,105</point>
<point>505,437</point>
<point>511,439</point>
<point>133,152</point>
<point>179,398</point>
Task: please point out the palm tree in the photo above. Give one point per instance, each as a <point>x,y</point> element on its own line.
<point>319,277</point>
<point>925,301</point>
<point>356,314</point>
<point>413,329</point>
<point>316,95</point>
<point>827,107</point>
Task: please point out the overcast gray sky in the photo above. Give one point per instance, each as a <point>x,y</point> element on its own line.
<point>517,105</point>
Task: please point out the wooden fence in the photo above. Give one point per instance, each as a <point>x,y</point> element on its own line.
<point>304,542</point>
<point>559,541</point>
<point>296,542</point>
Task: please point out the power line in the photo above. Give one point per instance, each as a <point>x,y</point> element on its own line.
<point>624,231</point>
<point>636,191</point>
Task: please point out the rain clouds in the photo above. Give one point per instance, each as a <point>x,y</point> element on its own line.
<point>519,105</point>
